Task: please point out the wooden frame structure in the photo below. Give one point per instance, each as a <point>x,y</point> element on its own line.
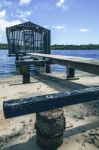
<point>28,38</point>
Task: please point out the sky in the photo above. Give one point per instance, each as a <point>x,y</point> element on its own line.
<point>70,21</point>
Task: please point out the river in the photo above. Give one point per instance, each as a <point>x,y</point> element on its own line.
<point>7,64</point>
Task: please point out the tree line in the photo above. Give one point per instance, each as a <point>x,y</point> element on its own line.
<point>65,47</point>
<point>76,47</point>
<point>3,46</point>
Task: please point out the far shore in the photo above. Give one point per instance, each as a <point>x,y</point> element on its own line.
<point>4,46</point>
<point>60,49</point>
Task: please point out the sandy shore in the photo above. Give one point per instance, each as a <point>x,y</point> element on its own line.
<point>82,132</point>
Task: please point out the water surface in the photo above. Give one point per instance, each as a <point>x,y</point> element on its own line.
<point>7,64</point>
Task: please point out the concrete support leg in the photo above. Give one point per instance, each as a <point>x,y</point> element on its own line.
<point>50,127</point>
<point>21,71</point>
<point>17,56</point>
<point>47,68</point>
<point>70,73</point>
<point>26,74</point>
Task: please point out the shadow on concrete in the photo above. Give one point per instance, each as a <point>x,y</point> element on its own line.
<point>31,143</point>
<point>58,83</point>
<point>22,83</point>
<point>81,129</point>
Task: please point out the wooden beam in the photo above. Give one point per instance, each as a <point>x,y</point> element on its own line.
<point>18,107</point>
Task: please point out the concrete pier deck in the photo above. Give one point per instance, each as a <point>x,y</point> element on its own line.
<point>90,65</point>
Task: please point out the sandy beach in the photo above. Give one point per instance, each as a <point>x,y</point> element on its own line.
<point>82,121</point>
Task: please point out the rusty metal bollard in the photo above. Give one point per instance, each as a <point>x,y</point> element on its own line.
<point>50,127</point>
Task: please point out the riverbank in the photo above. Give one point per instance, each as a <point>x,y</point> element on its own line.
<point>19,133</point>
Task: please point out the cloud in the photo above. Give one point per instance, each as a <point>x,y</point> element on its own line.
<point>84,30</point>
<point>24,2</point>
<point>46,26</point>
<point>2,13</point>
<point>59,27</point>
<point>56,27</point>
<point>23,14</point>
<point>3,24</point>
<point>60,3</point>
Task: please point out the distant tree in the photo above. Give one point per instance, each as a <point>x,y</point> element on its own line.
<point>76,47</point>
<point>3,46</point>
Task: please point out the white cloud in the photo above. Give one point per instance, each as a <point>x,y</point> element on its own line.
<point>2,13</point>
<point>23,14</point>
<point>60,3</point>
<point>84,30</point>
<point>59,27</point>
<point>3,24</point>
<point>46,26</point>
<point>3,36</point>
<point>24,2</point>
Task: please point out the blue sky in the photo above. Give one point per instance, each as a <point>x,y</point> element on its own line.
<point>70,21</point>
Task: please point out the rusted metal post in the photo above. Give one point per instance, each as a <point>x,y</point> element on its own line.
<point>50,127</point>
<point>26,74</point>
<point>70,73</point>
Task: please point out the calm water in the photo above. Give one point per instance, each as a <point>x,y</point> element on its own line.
<point>7,64</point>
<point>81,53</point>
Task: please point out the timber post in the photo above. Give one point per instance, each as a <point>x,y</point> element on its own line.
<point>25,70</point>
<point>50,127</point>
